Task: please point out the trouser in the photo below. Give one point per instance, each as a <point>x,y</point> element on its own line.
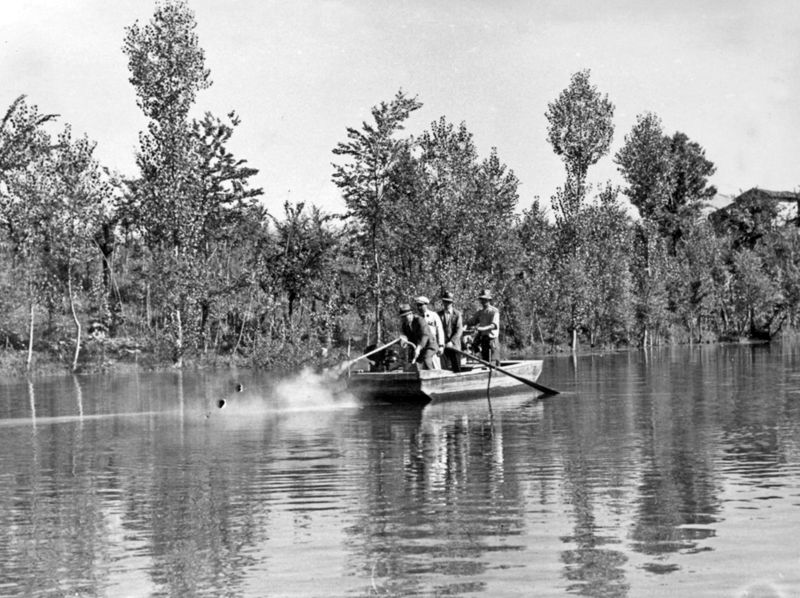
<point>425,358</point>
<point>486,346</point>
<point>451,360</point>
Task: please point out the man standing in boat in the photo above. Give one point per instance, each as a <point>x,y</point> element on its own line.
<point>435,325</point>
<point>453,324</point>
<point>414,329</point>
<point>487,327</point>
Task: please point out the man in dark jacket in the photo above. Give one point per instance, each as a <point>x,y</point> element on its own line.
<point>414,329</point>
<point>453,323</point>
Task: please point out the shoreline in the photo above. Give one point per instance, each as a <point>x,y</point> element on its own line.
<point>45,364</point>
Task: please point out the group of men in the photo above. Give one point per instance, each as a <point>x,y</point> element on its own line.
<point>435,340</point>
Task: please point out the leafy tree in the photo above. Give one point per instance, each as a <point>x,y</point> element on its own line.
<point>649,267</point>
<point>689,184</point>
<point>781,254</point>
<point>454,216</point>
<point>22,137</point>
<point>23,143</point>
<point>497,199</point>
<point>51,216</point>
<point>580,129</point>
<point>568,261</point>
<point>25,217</point>
<point>607,238</point>
<point>374,153</point>
<point>79,189</point>
<point>667,176</point>
<point>747,220</point>
<point>167,64</point>
<point>535,286</point>
<point>764,289</point>
<point>696,280</point>
<point>192,192</point>
<point>219,213</point>
<point>441,223</point>
<point>305,245</point>
<point>755,293</point>
<point>644,161</point>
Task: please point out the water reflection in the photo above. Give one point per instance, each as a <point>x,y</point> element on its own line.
<point>440,505</point>
<point>646,470</point>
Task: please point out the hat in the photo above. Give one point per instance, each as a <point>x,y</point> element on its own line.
<point>404,309</point>
<point>447,297</point>
<point>421,299</point>
<point>487,294</point>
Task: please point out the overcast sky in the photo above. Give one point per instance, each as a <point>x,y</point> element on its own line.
<point>725,72</point>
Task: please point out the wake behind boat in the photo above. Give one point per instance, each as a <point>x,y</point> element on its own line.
<point>417,386</point>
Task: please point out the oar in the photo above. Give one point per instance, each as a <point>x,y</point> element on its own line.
<point>346,365</point>
<point>539,387</point>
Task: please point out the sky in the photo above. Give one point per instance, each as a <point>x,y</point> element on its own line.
<point>299,72</point>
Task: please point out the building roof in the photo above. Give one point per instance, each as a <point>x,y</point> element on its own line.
<point>755,192</point>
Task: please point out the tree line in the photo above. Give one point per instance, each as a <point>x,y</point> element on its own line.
<point>183,262</point>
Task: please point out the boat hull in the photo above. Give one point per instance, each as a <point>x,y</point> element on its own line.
<point>423,386</point>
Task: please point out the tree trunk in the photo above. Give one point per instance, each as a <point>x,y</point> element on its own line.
<point>244,320</point>
<point>30,339</point>
<point>147,313</point>
<point>378,295</point>
<point>178,339</point>
<point>574,339</point>
<point>204,324</point>
<point>75,319</point>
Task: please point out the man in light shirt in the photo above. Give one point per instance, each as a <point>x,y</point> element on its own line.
<point>435,325</point>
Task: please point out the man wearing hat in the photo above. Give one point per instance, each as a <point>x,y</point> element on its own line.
<point>453,324</point>
<point>435,325</point>
<point>414,329</point>
<point>487,326</point>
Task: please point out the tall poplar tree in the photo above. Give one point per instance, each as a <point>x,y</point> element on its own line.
<point>167,67</point>
<point>580,129</point>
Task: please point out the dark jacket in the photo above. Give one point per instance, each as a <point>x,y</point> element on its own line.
<point>417,332</point>
<point>453,327</point>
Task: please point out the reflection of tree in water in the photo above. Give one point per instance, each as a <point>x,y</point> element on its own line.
<point>99,491</point>
<point>678,495</point>
<point>46,510</point>
<point>760,422</point>
<point>439,504</point>
<point>592,568</point>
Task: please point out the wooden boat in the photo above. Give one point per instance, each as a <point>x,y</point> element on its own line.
<point>415,386</point>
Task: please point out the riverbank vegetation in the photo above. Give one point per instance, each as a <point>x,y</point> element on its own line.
<point>183,263</point>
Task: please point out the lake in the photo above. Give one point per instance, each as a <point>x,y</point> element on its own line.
<point>674,472</point>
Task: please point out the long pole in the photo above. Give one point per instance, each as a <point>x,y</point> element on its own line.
<point>540,387</point>
<point>346,365</point>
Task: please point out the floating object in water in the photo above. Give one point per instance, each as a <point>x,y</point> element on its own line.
<point>222,402</point>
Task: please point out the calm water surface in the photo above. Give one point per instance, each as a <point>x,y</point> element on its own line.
<point>671,473</point>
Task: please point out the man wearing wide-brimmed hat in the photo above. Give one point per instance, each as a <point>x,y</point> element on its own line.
<point>487,327</point>
<point>414,329</point>
<point>453,324</point>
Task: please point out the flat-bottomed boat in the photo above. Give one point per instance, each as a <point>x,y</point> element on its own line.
<point>415,386</point>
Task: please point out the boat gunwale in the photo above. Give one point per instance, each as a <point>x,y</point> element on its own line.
<point>426,375</point>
